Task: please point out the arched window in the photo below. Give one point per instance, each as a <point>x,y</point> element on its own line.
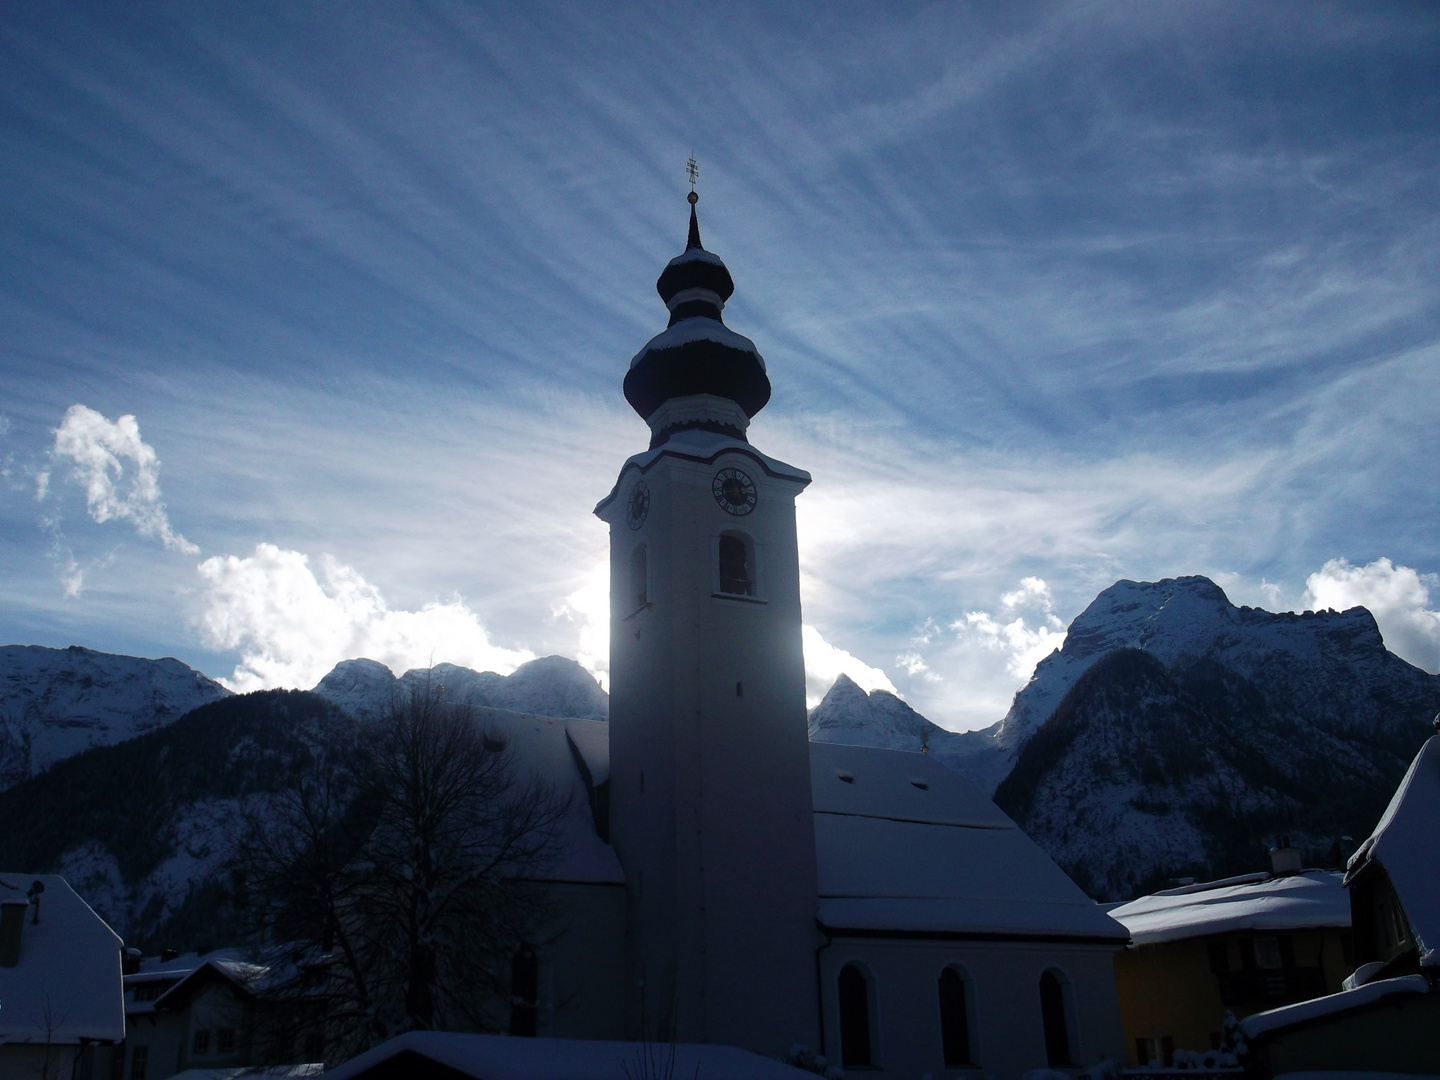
<point>854,1017</point>
<point>524,991</point>
<point>737,565</point>
<point>639,578</point>
<point>955,1019</point>
<point>1054,1010</point>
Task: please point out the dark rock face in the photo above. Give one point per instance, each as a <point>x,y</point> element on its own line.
<point>1190,733</point>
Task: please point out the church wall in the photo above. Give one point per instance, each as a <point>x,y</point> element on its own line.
<point>582,963</point>
<point>708,705</point>
<point>1003,979</point>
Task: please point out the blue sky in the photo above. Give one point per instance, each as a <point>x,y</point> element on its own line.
<point>1050,294</point>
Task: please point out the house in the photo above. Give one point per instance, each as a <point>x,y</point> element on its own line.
<point>1386,1017</point>
<point>1239,945</point>
<point>60,993</point>
<point>188,1010</point>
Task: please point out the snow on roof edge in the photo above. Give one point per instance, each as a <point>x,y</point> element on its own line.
<point>1303,1012</point>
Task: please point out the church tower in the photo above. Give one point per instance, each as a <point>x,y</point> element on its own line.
<point>710,801</point>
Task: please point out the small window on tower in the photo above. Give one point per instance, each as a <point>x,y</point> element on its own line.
<point>639,578</point>
<point>737,570</point>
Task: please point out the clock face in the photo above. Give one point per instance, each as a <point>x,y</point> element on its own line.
<point>637,507</point>
<point>734,491</point>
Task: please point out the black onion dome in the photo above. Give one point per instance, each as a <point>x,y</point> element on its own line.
<point>697,353</point>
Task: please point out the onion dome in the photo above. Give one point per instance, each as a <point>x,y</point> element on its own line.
<point>697,354</point>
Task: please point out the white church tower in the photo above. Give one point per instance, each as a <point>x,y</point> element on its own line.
<point>710,797</point>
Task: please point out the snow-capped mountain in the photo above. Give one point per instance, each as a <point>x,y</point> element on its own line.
<point>58,702</point>
<point>144,829</point>
<point>850,716</point>
<point>549,686</point>
<point>1176,734</point>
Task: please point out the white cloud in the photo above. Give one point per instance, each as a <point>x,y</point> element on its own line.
<point>119,471</point>
<point>1021,645</point>
<point>1397,596</point>
<point>824,663</point>
<point>292,627</point>
<point>589,608</point>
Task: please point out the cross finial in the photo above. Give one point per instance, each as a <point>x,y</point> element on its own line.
<point>692,170</point>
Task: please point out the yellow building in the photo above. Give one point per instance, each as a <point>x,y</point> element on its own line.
<point>1243,945</point>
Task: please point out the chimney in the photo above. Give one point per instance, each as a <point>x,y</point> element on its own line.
<point>12,924</point>
<point>130,961</point>
<point>1284,859</point>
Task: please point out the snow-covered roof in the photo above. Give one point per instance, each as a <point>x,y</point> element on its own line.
<point>541,745</point>
<point>498,1057</point>
<point>1404,844</point>
<point>180,974</point>
<point>1332,1004</point>
<point>66,986</point>
<point>905,844</point>
<point>1250,902</point>
<point>254,1072</point>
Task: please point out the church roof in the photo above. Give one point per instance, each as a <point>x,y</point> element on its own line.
<point>541,748</point>
<point>696,353</point>
<point>905,845</point>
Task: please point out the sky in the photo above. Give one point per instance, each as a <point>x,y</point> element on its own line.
<point>313,318</point>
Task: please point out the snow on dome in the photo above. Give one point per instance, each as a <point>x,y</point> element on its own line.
<point>695,255</point>
<point>1250,902</point>
<point>1404,844</point>
<point>699,329</point>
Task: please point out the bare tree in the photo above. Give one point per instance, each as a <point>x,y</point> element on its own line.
<point>394,883</point>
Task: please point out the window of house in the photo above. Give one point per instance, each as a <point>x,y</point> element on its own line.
<point>139,1060</point>
<point>225,1041</point>
<point>201,1042</point>
<point>955,1019</point>
<point>524,991</point>
<point>150,991</point>
<point>639,578</point>
<point>1267,954</point>
<point>1053,1014</point>
<point>855,1048</point>
<point>737,565</point>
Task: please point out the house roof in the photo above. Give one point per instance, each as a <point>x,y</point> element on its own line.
<point>1251,902</point>
<point>905,844</point>
<point>186,973</point>
<point>498,1057</point>
<point>1404,844</point>
<point>66,986</point>
<point>1304,1012</point>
